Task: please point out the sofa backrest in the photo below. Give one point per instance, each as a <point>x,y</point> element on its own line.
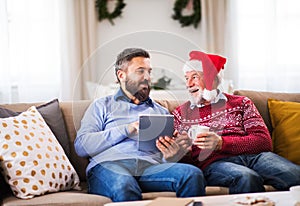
<point>260,99</point>
<point>74,111</point>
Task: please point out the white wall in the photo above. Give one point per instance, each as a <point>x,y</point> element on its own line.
<point>147,24</point>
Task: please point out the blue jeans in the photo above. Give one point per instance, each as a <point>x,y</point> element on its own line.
<point>125,180</point>
<point>249,173</point>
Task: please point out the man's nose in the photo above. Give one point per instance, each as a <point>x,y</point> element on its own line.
<point>147,76</point>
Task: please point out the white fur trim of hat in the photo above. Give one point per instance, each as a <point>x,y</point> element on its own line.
<point>192,65</point>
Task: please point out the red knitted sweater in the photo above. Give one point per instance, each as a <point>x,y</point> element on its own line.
<point>238,122</point>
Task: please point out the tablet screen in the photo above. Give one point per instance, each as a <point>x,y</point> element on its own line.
<point>151,126</point>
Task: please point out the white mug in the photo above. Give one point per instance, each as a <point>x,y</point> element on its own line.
<point>196,129</point>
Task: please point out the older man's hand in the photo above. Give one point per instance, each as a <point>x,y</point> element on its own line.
<point>174,148</point>
<point>209,141</point>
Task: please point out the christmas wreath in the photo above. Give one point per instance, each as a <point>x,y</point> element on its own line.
<point>103,13</point>
<point>194,18</point>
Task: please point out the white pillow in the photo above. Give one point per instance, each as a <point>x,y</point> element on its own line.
<point>98,90</point>
<point>33,162</point>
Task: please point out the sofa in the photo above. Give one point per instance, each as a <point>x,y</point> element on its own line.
<point>72,113</point>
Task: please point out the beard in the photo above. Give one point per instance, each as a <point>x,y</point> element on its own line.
<point>138,89</point>
<point>203,95</point>
<point>195,99</point>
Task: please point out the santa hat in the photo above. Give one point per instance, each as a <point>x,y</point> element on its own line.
<point>210,64</point>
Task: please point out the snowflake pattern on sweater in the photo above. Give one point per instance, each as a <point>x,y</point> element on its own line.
<point>237,120</point>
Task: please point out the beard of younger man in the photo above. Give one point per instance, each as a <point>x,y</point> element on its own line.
<point>140,90</point>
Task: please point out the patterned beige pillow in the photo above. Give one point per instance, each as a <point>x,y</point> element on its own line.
<point>32,160</point>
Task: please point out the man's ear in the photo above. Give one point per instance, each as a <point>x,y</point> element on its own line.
<point>121,75</point>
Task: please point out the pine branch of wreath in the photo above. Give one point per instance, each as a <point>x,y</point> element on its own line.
<point>188,20</point>
<point>103,13</point>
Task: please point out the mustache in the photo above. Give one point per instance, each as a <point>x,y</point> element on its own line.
<point>195,89</point>
<point>145,82</point>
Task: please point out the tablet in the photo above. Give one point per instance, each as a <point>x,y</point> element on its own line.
<point>151,126</point>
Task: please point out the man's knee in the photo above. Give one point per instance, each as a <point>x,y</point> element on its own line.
<point>246,181</point>
<point>118,188</point>
<point>249,175</point>
<point>291,177</point>
<point>125,188</point>
<point>187,170</point>
<point>192,181</point>
<point>193,177</point>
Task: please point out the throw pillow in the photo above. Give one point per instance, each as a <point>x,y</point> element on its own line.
<point>285,118</point>
<point>3,185</point>
<point>5,188</point>
<point>52,114</point>
<point>32,160</point>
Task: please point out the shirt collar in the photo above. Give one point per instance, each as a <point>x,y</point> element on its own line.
<point>219,97</point>
<point>120,95</point>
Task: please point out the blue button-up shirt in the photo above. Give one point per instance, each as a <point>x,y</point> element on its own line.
<point>103,135</point>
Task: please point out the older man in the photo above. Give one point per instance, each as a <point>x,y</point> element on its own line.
<point>236,152</point>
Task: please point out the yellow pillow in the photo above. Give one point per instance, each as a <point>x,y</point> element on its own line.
<point>285,118</point>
